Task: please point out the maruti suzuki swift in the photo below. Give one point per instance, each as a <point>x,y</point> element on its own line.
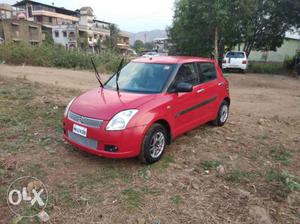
<point>145,105</point>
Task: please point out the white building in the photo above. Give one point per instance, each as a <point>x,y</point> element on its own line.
<point>71,34</point>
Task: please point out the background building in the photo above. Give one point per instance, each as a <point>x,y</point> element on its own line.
<point>289,48</point>
<point>14,30</point>
<point>72,29</point>
<point>6,11</point>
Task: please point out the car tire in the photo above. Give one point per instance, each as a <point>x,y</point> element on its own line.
<point>223,114</point>
<point>154,144</point>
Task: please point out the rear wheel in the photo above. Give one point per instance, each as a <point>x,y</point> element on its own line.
<point>154,144</point>
<point>223,114</point>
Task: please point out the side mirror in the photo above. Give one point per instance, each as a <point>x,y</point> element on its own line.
<point>183,87</point>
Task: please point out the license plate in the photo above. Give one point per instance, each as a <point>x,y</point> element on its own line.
<point>80,130</point>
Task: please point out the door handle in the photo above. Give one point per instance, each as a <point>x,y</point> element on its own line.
<point>201,91</point>
<point>221,84</point>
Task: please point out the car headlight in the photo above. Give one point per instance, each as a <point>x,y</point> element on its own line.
<point>68,107</point>
<point>120,120</point>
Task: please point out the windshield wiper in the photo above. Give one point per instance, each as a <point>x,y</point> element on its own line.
<point>97,73</point>
<point>118,73</point>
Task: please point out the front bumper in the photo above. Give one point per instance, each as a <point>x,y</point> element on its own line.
<point>128,141</point>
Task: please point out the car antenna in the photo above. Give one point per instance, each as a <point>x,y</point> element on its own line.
<point>97,73</point>
<point>118,73</point>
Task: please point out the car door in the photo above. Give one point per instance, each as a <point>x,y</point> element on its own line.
<point>207,91</point>
<point>182,109</point>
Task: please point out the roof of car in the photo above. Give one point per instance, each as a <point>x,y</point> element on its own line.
<point>172,60</point>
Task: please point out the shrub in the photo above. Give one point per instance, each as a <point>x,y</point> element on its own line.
<point>57,56</point>
<point>268,68</point>
<point>290,62</point>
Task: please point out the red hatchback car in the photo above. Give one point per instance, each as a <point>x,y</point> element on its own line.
<point>147,104</point>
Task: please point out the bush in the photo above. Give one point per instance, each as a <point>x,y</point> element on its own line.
<point>57,56</point>
<point>268,68</point>
<point>290,62</point>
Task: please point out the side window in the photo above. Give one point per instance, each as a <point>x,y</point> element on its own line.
<point>207,72</point>
<point>188,74</point>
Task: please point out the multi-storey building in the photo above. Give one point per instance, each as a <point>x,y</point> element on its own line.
<point>6,11</point>
<point>17,30</point>
<point>69,28</point>
<point>47,15</point>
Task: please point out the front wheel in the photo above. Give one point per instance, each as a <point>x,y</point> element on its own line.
<point>223,114</point>
<point>154,144</point>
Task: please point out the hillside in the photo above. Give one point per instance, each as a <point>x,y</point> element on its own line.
<point>148,35</point>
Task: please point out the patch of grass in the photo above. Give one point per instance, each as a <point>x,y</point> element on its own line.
<point>286,179</point>
<point>132,198</point>
<point>3,192</point>
<point>281,155</point>
<point>104,176</point>
<point>65,197</point>
<point>237,176</point>
<point>210,165</point>
<point>164,163</point>
<point>177,199</point>
<point>267,68</point>
<point>35,170</point>
<point>150,191</point>
<point>143,172</point>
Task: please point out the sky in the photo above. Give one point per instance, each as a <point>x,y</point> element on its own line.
<point>130,15</point>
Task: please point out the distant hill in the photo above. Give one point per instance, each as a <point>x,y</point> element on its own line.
<point>150,35</point>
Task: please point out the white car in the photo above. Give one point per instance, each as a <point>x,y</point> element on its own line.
<point>235,60</point>
<point>151,54</point>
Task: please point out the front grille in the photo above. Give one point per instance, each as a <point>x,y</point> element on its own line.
<point>91,122</point>
<point>90,143</point>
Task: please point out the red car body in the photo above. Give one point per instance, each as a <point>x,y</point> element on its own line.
<point>178,112</point>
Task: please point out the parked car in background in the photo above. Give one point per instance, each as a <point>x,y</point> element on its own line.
<point>145,105</point>
<point>235,60</point>
<point>151,54</point>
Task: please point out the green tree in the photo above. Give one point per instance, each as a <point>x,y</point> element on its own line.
<point>149,45</point>
<point>202,26</point>
<point>111,41</point>
<point>48,39</point>
<point>138,46</point>
<point>199,26</point>
<point>263,24</point>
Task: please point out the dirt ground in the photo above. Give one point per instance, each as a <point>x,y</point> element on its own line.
<point>245,172</point>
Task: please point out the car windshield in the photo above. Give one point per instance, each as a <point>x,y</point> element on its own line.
<point>142,77</point>
<point>235,55</point>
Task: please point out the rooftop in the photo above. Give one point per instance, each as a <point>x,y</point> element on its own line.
<point>57,9</point>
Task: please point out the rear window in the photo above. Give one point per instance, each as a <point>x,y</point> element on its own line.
<point>207,72</point>
<point>235,55</point>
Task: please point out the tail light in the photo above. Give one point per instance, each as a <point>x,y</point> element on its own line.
<point>244,62</point>
<point>224,61</point>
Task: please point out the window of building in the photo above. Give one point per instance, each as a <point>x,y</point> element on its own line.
<point>33,33</point>
<point>56,34</point>
<point>207,72</point>
<point>39,19</point>
<point>90,38</point>
<point>64,33</point>
<point>50,19</point>
<point>15,29</point>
